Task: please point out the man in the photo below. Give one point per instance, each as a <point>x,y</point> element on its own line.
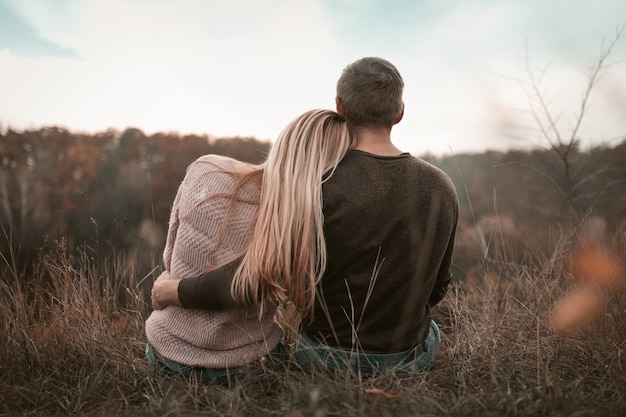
<point>389,224</point>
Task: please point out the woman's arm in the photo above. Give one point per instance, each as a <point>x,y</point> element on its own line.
<point>209,291</point>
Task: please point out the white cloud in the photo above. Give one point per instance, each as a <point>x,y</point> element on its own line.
<point>181,66</point>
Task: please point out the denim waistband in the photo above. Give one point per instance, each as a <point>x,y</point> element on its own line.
<point>354,356</point>
<point>223,376</point>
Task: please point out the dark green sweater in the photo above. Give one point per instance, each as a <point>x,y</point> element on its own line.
<point>389,225</point>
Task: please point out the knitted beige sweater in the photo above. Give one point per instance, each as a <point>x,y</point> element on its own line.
<point>212,339</point>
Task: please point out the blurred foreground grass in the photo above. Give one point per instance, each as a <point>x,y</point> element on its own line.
<point>73,340</point>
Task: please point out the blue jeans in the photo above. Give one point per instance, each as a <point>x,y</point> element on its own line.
<point>311,353</point>
<point>223,376</point>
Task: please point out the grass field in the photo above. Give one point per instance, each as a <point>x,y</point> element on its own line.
<point>72,344</point>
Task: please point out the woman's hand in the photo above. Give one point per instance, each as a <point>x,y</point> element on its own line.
<point>165,291</point>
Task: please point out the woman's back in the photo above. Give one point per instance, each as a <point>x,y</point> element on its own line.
<point>208,228</point>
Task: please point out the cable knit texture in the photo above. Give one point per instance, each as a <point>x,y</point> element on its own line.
<point>211,339</point>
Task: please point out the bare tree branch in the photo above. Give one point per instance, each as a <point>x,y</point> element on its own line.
<point>565,145</point>
<point>594,78</point>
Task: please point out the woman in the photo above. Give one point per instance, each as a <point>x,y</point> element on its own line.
<point>270,216</point>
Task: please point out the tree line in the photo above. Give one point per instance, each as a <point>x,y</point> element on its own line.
<point>105,192</point>
<point>111,192</point>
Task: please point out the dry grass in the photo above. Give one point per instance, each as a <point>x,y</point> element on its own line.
<point>72,344</point>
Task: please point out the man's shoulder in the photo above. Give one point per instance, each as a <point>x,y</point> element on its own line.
<point>358,170</point>
<point>438,177</point>
<point>409,163</point>
<point>426,166</point>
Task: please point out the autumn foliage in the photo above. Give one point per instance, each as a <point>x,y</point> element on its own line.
<point>109,191</point>
<point>112,192</point>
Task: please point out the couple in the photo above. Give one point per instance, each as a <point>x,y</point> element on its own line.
<point>357,234</point>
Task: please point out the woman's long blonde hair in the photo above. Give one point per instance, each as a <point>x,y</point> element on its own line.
<point>287,252</point>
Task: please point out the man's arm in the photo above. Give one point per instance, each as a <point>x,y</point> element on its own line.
<point>445,275</point>
<point>209,291</point>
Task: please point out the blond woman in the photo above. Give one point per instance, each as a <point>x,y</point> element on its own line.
<point>268,216</point>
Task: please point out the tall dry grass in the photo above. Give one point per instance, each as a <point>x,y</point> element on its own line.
<point>72,344</point>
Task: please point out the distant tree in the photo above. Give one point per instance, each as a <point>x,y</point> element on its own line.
<point>169,158</point>
<point>570,178</point>
<point>110,191</point>
<point>120,182</point>
<point>605,187</point>
<point>243,149</point>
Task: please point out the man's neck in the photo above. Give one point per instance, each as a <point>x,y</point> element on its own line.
<point>377,142</point>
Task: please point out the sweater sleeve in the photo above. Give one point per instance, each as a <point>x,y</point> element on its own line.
<point>443,279</point>
<point>445,275</point>
<point>211,290</point>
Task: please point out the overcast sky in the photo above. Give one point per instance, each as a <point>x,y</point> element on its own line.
<point>247,67</point>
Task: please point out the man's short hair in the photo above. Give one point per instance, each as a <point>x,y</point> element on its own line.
<point>370,90</point>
